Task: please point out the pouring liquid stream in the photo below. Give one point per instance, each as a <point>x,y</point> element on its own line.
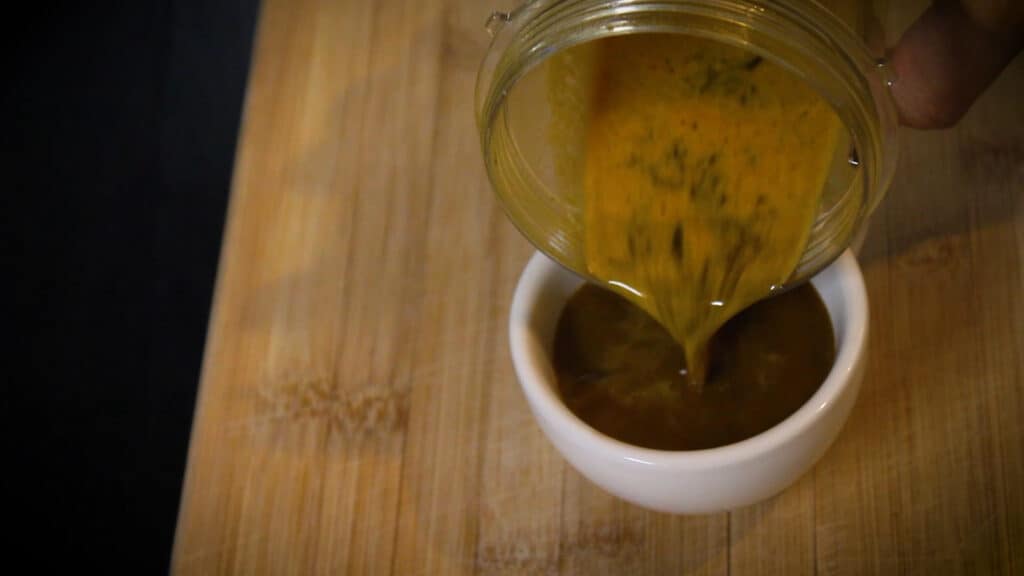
<point>702,169</point>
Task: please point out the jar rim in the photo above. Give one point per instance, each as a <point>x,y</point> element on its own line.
<point>801,35</point>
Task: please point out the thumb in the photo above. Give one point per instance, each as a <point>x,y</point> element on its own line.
<point>950,56</point>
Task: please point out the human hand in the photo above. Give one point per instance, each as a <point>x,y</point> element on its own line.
<point>951,55</point>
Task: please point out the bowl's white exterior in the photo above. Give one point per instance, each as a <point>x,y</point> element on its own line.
<point>697,481</point>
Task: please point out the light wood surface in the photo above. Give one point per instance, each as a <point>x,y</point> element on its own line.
<point>358,412</point>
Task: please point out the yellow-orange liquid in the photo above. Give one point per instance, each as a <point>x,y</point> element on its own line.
<point>702,173</point>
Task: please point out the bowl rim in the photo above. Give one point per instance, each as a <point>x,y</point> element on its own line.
<point>544,399</point>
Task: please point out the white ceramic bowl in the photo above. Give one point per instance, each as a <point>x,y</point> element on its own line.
<point>697,481</point>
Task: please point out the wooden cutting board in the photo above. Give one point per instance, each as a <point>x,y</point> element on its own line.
<point>358,412</point>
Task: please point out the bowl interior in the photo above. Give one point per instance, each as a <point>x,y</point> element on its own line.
<point>545,287</point>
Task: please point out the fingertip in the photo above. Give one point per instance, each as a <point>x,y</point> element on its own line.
<point>942,64</point>
<point>922,92</point>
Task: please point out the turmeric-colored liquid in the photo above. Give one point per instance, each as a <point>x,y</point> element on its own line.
<point>702,173</point>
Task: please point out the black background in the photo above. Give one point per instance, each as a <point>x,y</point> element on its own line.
<point>120,153</point>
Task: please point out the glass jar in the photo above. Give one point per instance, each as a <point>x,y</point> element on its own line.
<point>526,165</point>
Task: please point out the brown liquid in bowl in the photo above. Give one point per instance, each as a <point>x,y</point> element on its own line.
<point>622,373</point>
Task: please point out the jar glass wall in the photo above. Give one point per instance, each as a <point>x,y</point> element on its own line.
<point>532,137</point>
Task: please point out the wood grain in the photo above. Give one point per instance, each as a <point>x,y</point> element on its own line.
<point>358,412</point>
